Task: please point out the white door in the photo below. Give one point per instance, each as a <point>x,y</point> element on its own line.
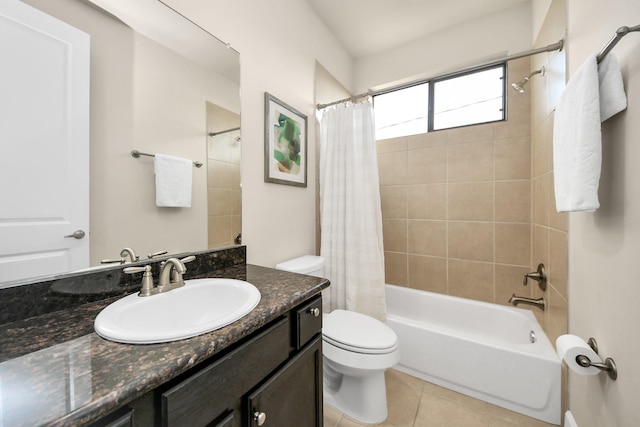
<point>44,144</point>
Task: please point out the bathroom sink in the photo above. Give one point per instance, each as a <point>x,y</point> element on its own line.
<point>200,306</point>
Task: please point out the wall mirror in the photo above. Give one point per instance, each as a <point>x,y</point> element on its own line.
<point>158,84</point>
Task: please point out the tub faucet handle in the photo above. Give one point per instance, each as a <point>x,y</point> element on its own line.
<point>539,276</point>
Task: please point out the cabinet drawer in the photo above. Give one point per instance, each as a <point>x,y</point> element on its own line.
<point>308,322</point>
<point>208,393</point>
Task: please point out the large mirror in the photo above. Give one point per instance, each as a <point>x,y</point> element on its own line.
<point>158,84</point>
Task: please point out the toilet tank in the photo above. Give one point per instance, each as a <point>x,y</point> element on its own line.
<point>311,265</point>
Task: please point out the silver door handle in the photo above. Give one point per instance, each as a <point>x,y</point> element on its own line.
<point>78,234</point>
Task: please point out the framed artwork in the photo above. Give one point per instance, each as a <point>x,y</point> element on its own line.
<point>285,143</point>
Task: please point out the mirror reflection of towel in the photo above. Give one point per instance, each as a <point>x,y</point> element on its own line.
<point>174,176</point>
<point>594,93</point>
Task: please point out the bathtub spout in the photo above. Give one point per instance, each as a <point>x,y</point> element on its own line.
<point>540,303</point>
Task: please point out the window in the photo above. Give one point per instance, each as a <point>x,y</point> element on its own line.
<point>459,100</point>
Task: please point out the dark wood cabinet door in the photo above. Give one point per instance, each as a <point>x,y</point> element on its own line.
<point>291,397</point>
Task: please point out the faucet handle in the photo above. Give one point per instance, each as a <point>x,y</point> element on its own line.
<point>147,279</point>
<point>155,254</point>
<point>539,276</point>
<point>188,259</point>
<point>176,276</point>
<point>112,261</point>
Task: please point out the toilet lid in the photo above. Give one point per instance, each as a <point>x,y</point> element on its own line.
<point>358,332</point>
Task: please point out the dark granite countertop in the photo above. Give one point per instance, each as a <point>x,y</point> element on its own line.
<point>56,371</point>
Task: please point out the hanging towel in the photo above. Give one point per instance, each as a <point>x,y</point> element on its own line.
<point>592,95</point>
<point>173,181</point>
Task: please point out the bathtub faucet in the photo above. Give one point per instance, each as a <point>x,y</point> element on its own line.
<point>529,301</point>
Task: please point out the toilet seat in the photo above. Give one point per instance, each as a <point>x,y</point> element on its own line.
<point>358,333</point>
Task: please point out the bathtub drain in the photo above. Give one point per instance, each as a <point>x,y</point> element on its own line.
<point>532,337</point>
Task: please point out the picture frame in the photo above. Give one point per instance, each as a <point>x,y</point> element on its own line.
<point>285,143</point>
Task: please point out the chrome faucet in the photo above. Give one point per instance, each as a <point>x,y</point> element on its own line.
<point>171,272</point>
<point>167,276</point>
<point>539,302</point>
<point>128,252</point>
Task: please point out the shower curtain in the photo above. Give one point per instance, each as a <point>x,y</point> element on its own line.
<point>350,211</point>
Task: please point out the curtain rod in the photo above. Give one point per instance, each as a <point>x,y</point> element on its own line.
<point>223,131</point>
<point>549,48</point>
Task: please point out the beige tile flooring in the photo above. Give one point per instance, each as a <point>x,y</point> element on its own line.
<point>416,403</point>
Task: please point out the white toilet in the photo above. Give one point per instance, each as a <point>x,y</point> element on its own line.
<point>356,350</point>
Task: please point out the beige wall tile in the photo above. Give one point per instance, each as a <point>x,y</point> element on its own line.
<point>427,166</point>
<point>513,244</point>
<point>540,247</point>
<point>513,159</point>
<point>470,162</point>
<point>558,261</point>
<point>509,282</point>
<point>470,279</point>
<point>428,140</point>
<point>219,201</point>
<point>391,145</point>
<point>220,230</point>
<point>540,200</point>
<point>556,314</point>
<point>466,195</point>
<point>395,235</point>
<point>513,201</point>
<point>392,168</point>
<point>236,202</point>
<point>428,238</point>
<point>515,126</point>
<point>471,240</point>
<point>542,148</point>
<point>475,133</point>
<point>471,201</point>
<point>219,174</point>
<point>394,201</point>
<point>428,273</point>
<point>427,201</point>
<point>557,220</point>
<point>395,268</point>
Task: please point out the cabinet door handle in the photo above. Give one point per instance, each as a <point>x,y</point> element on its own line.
<point>315,311</point>
<point>259,417</point>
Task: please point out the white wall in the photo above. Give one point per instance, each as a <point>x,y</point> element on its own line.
<point>279,42</point>
<point>604,278</point>
<point>470,44</point>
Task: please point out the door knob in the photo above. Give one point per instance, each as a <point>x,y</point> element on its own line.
<point>78,234</point>
<point>259,417</point>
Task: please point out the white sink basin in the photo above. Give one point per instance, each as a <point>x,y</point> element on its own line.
<point>200,306</point>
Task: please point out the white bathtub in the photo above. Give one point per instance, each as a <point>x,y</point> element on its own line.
<point>479,349</point>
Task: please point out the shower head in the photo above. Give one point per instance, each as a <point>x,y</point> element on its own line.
<point>520,85</point>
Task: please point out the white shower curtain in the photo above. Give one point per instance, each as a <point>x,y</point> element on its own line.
<point>350,211</point>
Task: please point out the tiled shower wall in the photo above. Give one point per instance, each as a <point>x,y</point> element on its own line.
<point>549,228</point>
<point>456,205</point>
<point>223,177</point>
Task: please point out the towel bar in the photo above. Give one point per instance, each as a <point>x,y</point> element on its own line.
<point>620,33</point>
<point>137,154</point>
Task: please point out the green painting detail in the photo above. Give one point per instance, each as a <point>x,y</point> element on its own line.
<point>287,145</point>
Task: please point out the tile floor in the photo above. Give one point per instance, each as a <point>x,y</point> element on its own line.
<point>416,403</point>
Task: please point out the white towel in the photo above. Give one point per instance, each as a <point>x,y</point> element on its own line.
<point>173,181</point>
<point>592,95</point>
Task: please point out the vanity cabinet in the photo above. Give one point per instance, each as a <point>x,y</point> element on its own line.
<point>272,378</point>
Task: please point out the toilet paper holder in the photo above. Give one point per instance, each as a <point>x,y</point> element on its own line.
<point>609,366</point>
